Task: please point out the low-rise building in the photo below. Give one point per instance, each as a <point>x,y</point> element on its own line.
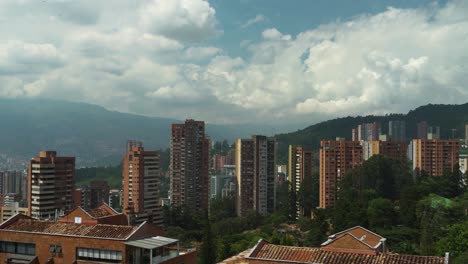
<point>24,239</point>
<point>355,245</point>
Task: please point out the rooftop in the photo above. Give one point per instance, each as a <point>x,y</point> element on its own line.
<point>264,252</point>
<point>56,228</point>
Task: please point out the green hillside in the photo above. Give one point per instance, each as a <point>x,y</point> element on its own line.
<point>448,117</point>
<point>93,134</point>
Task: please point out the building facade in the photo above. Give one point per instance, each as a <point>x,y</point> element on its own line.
<point>336,158</point>
<point>189,166</point>
<point>27,240</point>
<point>397,131</point>
<point>141,186</point>
<point>51,182</point>
<point>255,175</point>
<point>300,163</point>
<point>422,130</point>
<point>433,157</point>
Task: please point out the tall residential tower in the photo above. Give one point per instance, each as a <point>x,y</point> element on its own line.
<point>141,186</point>
<point>51,183</point>
<point>336,158</point>
<point>255,174</point>
<point>189,165</point>
<point>300,163</point>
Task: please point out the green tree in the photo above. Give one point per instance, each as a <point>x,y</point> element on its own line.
<point>455,242</point>
<point>208,247</point>
<point>380,213</point>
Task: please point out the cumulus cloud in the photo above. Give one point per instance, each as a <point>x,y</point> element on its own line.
<point>257,19</point>
<point>184,20</point>
<point>274,34</point>
<point>146,62</point>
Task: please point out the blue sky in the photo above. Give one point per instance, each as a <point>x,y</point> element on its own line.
<point>291,17</point>
<point>237,61</point>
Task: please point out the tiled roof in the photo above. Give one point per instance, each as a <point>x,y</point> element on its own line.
<point>56,228</point>
<point>368,237</point>
<point>264,252</point>
<point>99,212</point>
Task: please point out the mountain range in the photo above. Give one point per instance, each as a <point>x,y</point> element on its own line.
<point>97,136</point>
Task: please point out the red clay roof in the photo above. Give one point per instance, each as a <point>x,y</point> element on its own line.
<point>368,237</point>
<point>56,228</point>
<point>99,212</point>
<point>264,252</point>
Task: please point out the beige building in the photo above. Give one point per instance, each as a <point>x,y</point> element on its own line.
<point>141,186</point>
<point>10,210</point>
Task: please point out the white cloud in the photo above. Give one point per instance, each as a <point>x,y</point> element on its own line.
<point>184,20</point>
<point>201,53</point>
<point>257,19</point>
<point>274,34</point>
<point>139,57</point>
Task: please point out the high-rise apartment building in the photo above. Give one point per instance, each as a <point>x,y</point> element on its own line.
<point>255,175</point>
<point>133,144</point>
<point>391,149</point>
<point>422,130</point>
<point>300,163</point>
<point>397,130</point>
<point>141,186</point>
<point>435,156</point>
<point>433,132</point>
<point>336,158</point>
<point>99,193</point>
<point>367,132</point>
<point>189,164</point>
<point>51,183</point>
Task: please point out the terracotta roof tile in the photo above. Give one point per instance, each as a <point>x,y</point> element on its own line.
<point>56,228</point>
<point>266,253</point>
<point>98,212</point>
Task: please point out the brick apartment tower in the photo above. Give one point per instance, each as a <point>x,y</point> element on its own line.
<point>99,193</point>
<point>51,183</point>
<point>255,175</point>
<point>141,186</point>
<point>300,163</point>
<point>336,158</point>
<point>434,156</point>
<point>189,165</point>
<point>390,149</point>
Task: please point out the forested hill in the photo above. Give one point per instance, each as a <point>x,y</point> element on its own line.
<point>448,117</point>
<point>93,134</point>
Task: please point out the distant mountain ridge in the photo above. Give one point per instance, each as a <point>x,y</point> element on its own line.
<point>448,117</point>
<point>95,135</point>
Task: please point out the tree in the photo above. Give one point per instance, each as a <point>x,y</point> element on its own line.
<point>208,247</point>
<point>380,213</point>
<point>455,242</point>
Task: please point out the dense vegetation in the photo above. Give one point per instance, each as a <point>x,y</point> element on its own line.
<point>448,117</point>
<point>424,215</point>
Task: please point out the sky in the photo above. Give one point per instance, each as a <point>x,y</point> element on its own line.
<point>237,61</point>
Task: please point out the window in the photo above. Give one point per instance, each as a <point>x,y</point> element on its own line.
<point>77,220</point>
<point>17,248</point>
<point>101,255</point>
